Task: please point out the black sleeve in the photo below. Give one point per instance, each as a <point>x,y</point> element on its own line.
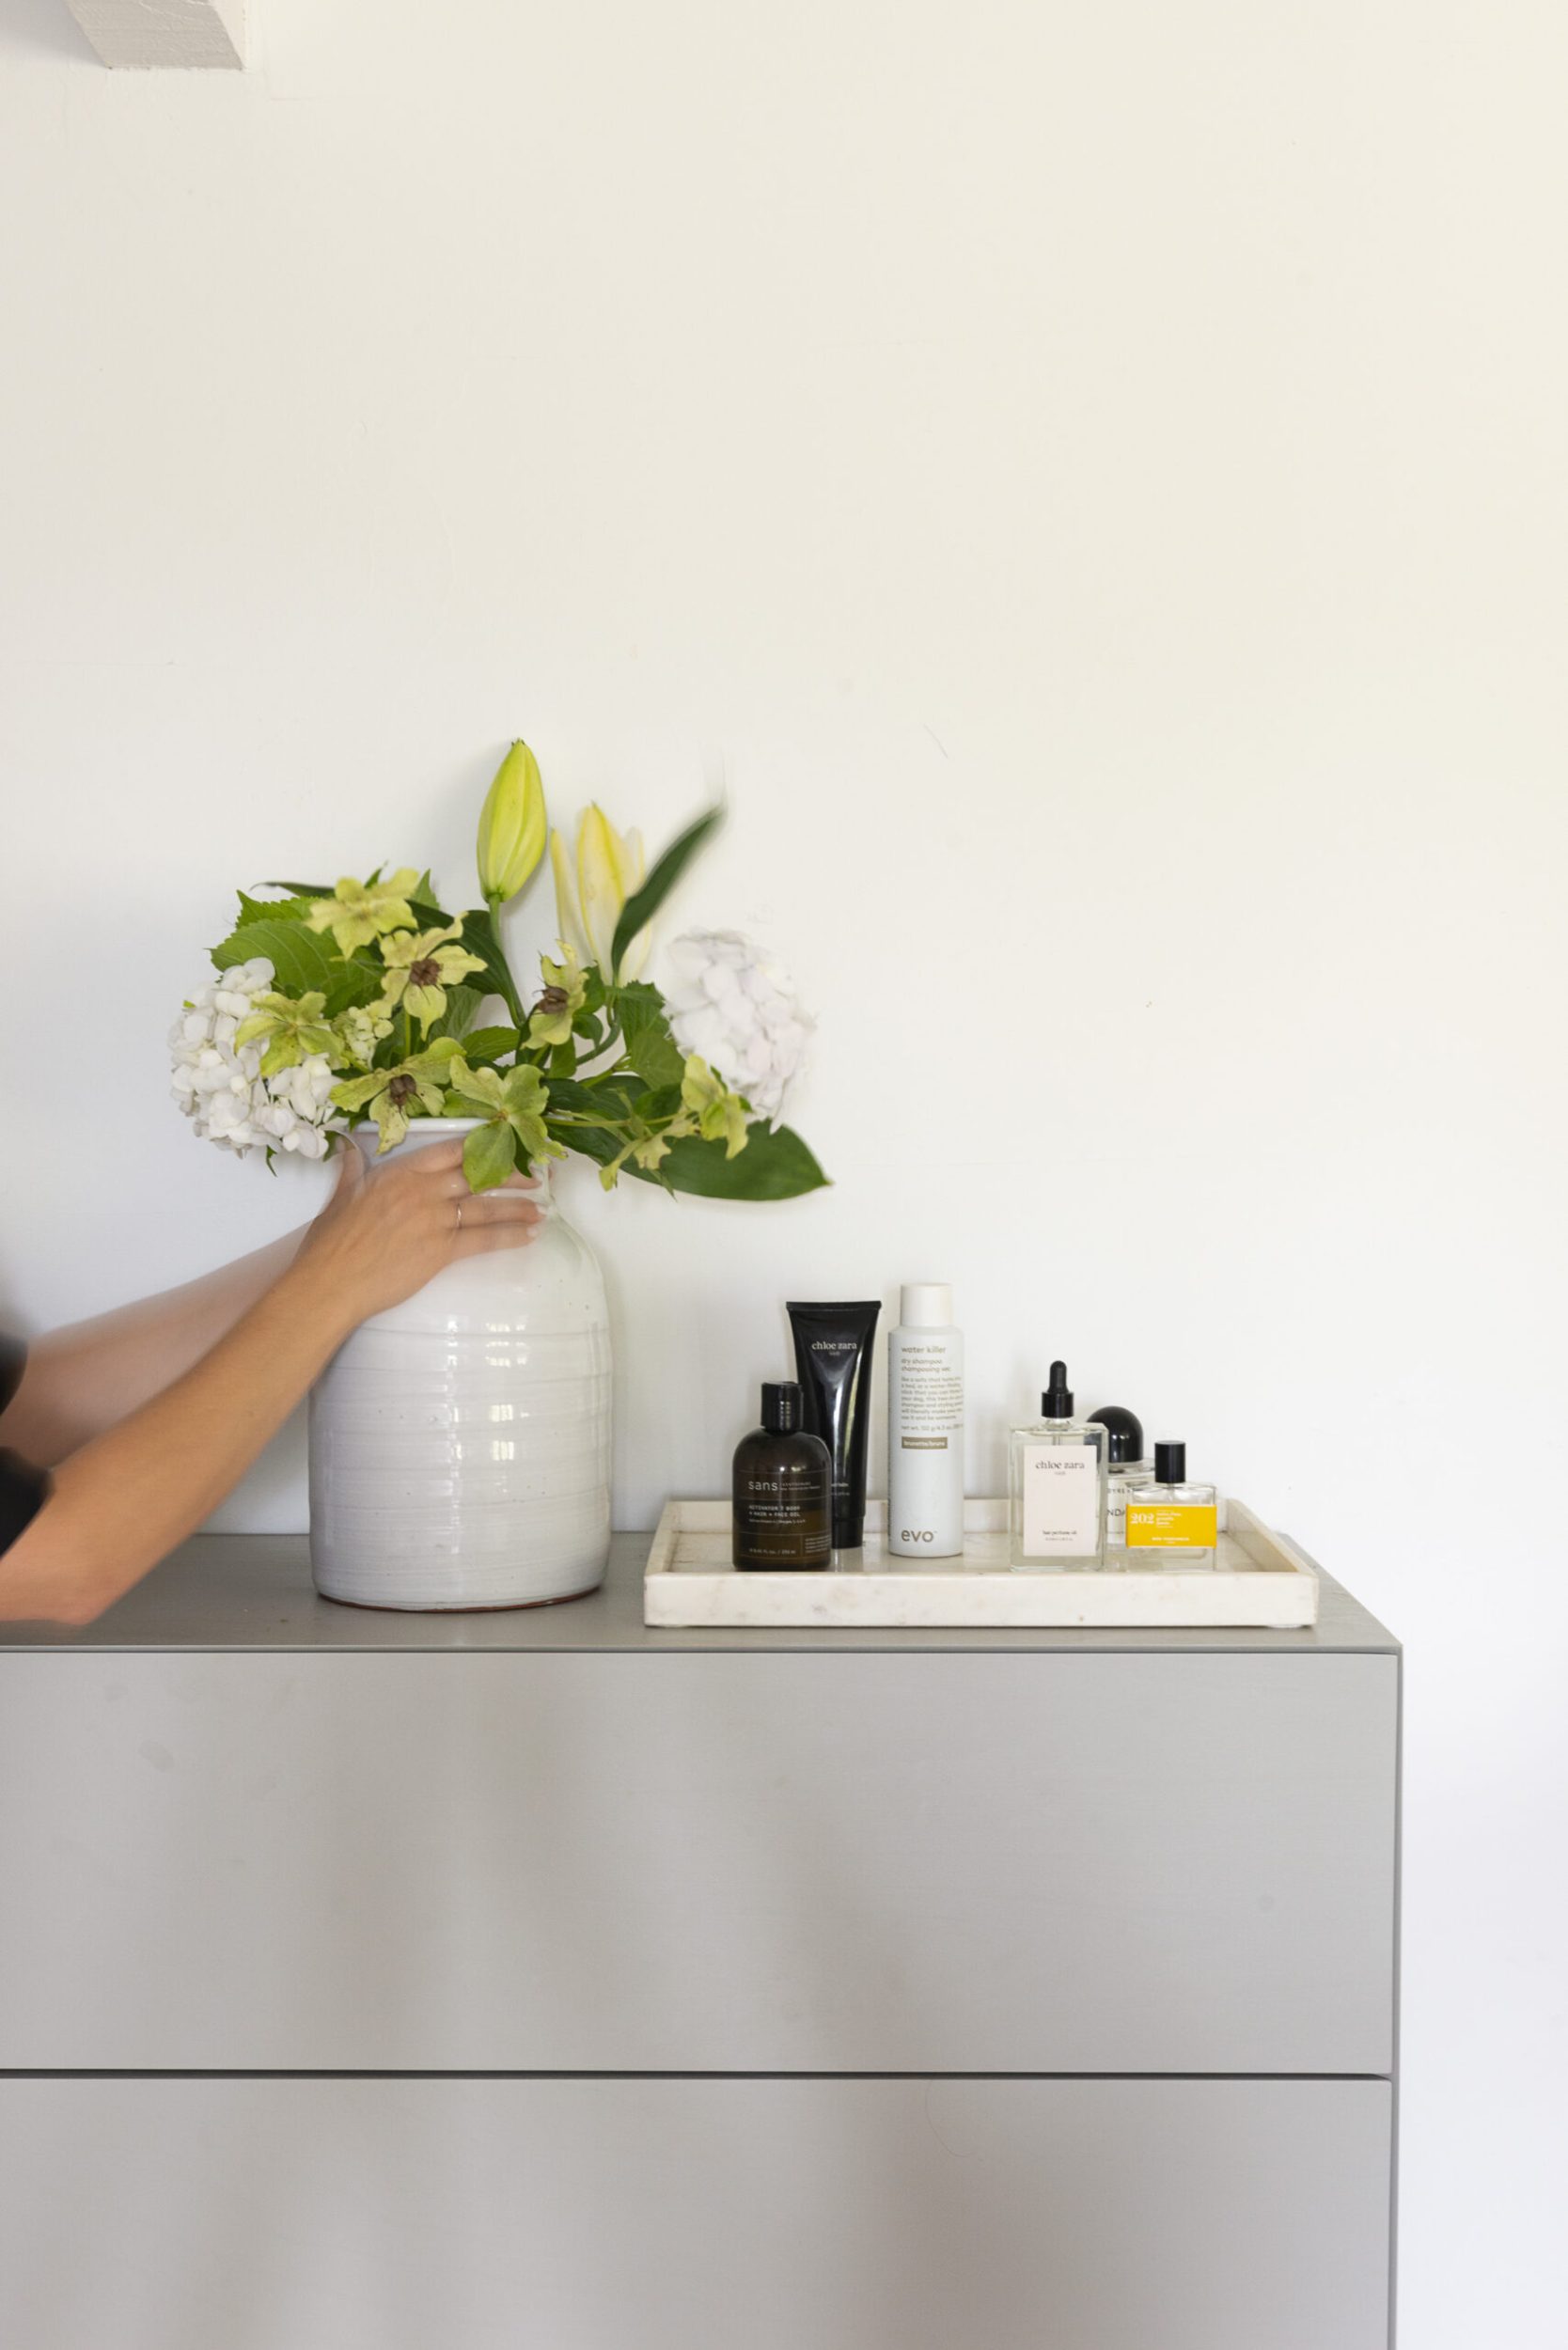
<point>23,1489</point>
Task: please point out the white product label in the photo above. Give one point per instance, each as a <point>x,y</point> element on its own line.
<point>1061,1501</point>
<point>925,1444</point>
<point>1118,1481</point>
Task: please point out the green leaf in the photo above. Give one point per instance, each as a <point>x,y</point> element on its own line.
<point>485,1044</point>
<point>353,982</point>
<point>645,1026</point>
<point>644,904</point>
<point>293,909</point>
<point>610,1098</point>
<point>302,959</point>
<point>594,989</point>
<point>660,1102</point>
<point>594,1142</point>
<point>774,1165</point>
<point>488,1155</point>
<point>463,1004</point>
<point>299,889</point>
<point>479,936</point>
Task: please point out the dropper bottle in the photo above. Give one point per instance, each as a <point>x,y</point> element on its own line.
<point>1057,1484</point>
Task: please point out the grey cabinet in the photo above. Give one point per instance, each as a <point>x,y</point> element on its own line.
<point>693,2214</point>
<point>919,1942</point>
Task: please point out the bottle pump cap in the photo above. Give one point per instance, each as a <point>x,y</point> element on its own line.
<point>1170,1463</point>
<point>781,1407</point>
<point>1057,1401</point>
<point>926,1305</point>
<point>1123,1432</point>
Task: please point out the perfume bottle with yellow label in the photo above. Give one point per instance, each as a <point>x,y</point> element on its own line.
<point>1170,1522</point>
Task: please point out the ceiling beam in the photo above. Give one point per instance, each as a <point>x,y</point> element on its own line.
<point>164,32</point>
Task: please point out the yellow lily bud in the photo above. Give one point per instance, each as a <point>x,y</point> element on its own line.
<point>511,826</point>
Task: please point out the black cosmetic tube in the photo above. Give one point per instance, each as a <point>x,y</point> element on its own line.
<point>833,1362</point>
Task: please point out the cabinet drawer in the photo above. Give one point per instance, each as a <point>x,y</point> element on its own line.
<point>1037,1863</point>
<point>680,2215</point>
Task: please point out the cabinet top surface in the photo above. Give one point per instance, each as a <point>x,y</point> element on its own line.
<point>239,1591</point>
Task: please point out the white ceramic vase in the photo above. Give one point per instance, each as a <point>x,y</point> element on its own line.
<point>460,1443</point>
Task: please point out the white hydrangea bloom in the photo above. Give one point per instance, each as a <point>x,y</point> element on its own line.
<point>733,1004</point>
<point>220,1087</point>
<point>300,1105</point>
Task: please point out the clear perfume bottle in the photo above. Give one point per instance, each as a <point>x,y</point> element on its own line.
<point>1170,1521</point>
<point>1125,1466</point>
<point>1056,1474</point>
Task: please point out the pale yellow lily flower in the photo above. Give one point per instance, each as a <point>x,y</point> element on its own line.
<point>569,922</point>
<point>609,867</point>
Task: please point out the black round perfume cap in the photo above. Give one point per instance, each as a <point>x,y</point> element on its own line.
<point>1057,1401</point>
<point>1170,1463</point>
<point>1123,1432</point>
<point>781,1407</point>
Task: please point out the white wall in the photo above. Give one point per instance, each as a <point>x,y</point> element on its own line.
<point>1096,478</point>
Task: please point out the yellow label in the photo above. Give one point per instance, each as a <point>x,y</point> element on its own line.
<point>1172,1526</point>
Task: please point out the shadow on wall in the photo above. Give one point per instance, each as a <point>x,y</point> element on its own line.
<point>45,28</point>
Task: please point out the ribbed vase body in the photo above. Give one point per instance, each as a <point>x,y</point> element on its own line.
<point>460,1443</point>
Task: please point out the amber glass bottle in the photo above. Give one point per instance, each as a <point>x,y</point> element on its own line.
<point>783,1489</point>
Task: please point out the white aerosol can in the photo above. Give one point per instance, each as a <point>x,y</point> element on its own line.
<point>925,1425</point>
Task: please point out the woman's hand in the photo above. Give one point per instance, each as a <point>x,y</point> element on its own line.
<point>386,1231</point>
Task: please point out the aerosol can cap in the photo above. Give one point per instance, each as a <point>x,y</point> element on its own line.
<point>926,1305</point>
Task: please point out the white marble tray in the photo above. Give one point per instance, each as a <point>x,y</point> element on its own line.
<point>1259,1579</point>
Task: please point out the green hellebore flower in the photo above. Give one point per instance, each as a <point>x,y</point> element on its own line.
<point>720,1115</point>
<point>359,911</point>
<point>646,1146</point>
<point>295,1028</point>
<point>420,967</point>
<point>513,1107</point>
<point>565,990</point>
<point>511,826</point>
<point>394,1096</point>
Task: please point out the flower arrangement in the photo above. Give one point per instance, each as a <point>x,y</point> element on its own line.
<point>365,1003</point>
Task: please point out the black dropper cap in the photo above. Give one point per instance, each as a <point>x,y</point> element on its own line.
<point>1057,1401</point>
<point>781,1407</point>
<point>1123,1432</point>
<point>1170,1463</point>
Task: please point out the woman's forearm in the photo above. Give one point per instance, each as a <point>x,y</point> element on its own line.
<point>83,1379</point>
<point>127,1498</point>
